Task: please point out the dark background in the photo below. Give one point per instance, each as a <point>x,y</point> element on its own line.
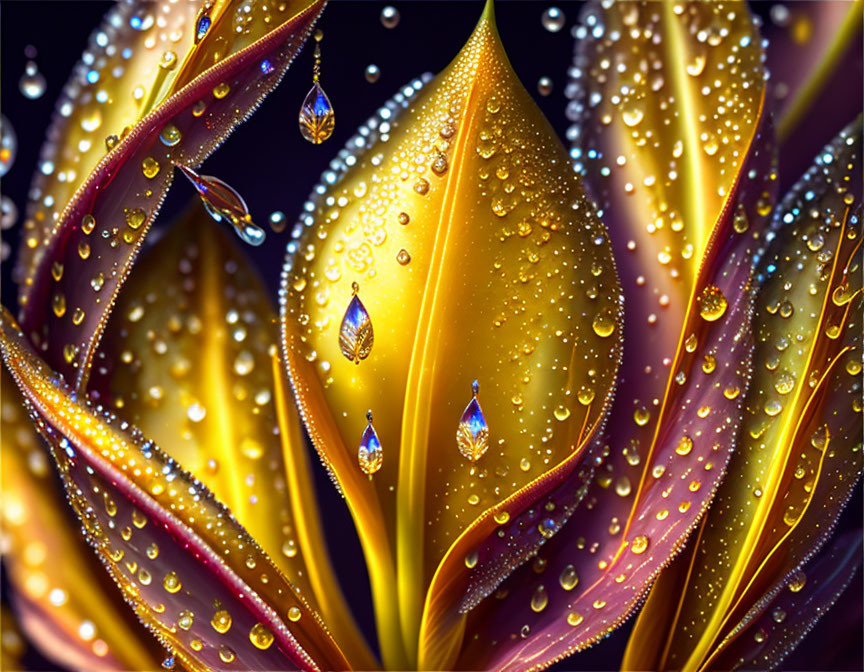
<point>268,162</point>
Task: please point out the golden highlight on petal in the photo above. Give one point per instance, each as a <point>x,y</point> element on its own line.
<point>479,257</point>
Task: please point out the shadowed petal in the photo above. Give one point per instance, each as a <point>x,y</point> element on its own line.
<point>477,257</point>
<point>800,450</point>
<point>188,569</point>
<point>103,224</point>
<point>67,609</point>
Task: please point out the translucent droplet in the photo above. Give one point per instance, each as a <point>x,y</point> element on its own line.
<point>32,83</point>
<point>472,435</point>
<point>390,17</point>
<point>370,456</point>
<point>544,86</point>
<point>260,636</point>
<point>639,544</point>
<point>8,145</point>
<point>225,205</point>
<point>712,303</point>
<point>553,19</point>
<point>221,621</point>
<point>203,22</point>
<point>317,118</point>
<point>171,583</point>
<point>568,579</point>
<point>278,221</point>
<point>539,599</point>
<point>604,323</point>
<point>403,257</point>
<point>372,73</point>
<point>574,618</point>
<point>797,582</point>
<point>356,335</point>
<point>170,135</point>
<point>8,213</point>
<point>685,445</point>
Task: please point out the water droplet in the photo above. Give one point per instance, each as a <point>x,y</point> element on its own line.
<point>544,86</point>
<point>553,19</point>
<point>639,544</point>
<point>604,323</point>
<point>150,167</point>
<point>370,456</point>
<point>372,73</point>
<point>390,17</point>
<point>712,303</point>
<point>574,618</point>
<point>171,583</point>
<point>403,257</point>
<point>685,445</point>
<point>224,204</point>
<point>32,83</point>
<point>221,621</point>
<point>797,582</point>
<point>568,579</point>
<point>501,517</point>
<point>294,614</point>
<point>221,90</point>
<point>472,435</point>
<point>356,335</point>
<point>226,655</point>
<point>317,118</point>
<point>170,135</point>
<point>260,636</point>
<point>539,599</point>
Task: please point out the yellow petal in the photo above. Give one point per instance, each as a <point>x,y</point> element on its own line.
<point>799,450</point>
<point>478,257</point>
<point>187,360</point>
<point>63,607</point>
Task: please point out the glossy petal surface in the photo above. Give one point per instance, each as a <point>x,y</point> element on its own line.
<point>178,556</point>
<point>474,188</point>
<point>800,448</point>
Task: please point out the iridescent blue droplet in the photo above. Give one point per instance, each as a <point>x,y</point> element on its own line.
<point>472,435</point>
<point>202,28</point>
<point>356,334</point>
<point>370,456</point>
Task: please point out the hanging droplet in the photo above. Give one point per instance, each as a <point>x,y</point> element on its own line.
<point>8,145</point>
<point>472,435</point>
<point>278,221</point>
<point>316,116</point>
<point>356,334</point>
<point>225,204</point>
<point>32,83</point>
<point>369,455</point>
<point>373,72</point>
<point>316,119</point>
<point>544,86</point>
<point>390,17</point>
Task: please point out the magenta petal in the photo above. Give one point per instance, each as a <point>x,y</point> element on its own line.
<point>776,624</point>
<point>124,201</point>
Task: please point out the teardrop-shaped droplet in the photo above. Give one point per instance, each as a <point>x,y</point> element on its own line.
<point>356,335</point>
<point>316,116</point>
<point>472,435</point>
<point>370,456</point>
<point>32,83</point>
<point>225,205</point>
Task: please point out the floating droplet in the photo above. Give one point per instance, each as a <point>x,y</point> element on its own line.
<point>8,145</point>
<point>372,73</point>
<point>370,456</point>
<point>8,213</point>
<point>225,204</point>
<point>472,435</point>
<point>544,86</point>
<point>32,83</point>
<point>278,221</point>
<point>316,119</point>
<point>390,17</point>
<point>356,335</point>
<point>712,303</point>
<point>553,19</point>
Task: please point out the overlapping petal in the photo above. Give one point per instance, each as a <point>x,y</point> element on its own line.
<point>800,444</point>
<point>477,257</point>
<point>100,229</point>
<point>67,609</point>
<point>189,570</point>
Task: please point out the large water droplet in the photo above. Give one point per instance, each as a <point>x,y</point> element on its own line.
<point>370,456</point>
<point>32,83</point>
<point>712,304</point>
<point>317,119</point>
<point>225,204</point>
<point>356,334</point>
<point>472,435</point>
